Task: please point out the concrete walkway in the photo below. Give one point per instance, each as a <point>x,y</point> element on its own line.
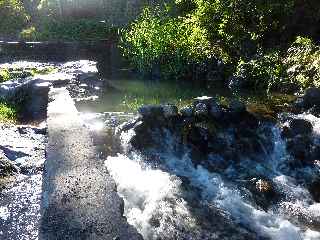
<point>79,197</point>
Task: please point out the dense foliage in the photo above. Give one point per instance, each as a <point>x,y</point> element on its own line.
<point>249,37</point>
<point>242,26</point>
<point>157,40</point>
<point>303,63</point>
<point>13,17</point>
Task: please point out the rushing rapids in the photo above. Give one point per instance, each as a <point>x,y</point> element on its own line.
<point>170,193</point>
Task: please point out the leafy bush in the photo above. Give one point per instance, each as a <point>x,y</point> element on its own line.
<point>263,72</point>
<point>29,34</point>
<point>175,45</point>
<point>8,112</point>
<point>4,75</point>
<point>241,26</point>
<point>13,17</point>
<point>303,62</point>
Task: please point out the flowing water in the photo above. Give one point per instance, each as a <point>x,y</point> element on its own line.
<point>167,196</point>
<point>173,199</point>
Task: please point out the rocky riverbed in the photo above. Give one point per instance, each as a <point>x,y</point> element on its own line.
<point>21,162</point>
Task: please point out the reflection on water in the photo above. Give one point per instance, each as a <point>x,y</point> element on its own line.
<point>127,95</point>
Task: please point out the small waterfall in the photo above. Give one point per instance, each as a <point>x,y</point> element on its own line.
<point>172,198</point>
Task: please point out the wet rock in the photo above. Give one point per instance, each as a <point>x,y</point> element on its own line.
<point>201,110</point>
<point>264,186</point>
<point>151,111</point>
<point>311,97</point>
<point>37,130</point>
<point>300,147</point>
<point>7,168</point>
<point>263,192</point>
<point>300,126</point>
<point>314,189</point>
<point>169,110</point>
<point>128,125</point>
<point>186,112</point>
<point>215,110</point>
<point>237,107</point>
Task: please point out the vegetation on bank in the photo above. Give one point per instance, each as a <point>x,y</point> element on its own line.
<point>241,43</point>
<point>8,112</point>
<point>266,45</point>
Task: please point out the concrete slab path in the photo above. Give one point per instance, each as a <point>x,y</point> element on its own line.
<point>79,198</point>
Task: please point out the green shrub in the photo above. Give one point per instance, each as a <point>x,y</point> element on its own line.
<point>175,45</point>
<point>241,26</point>
<point>13,17</point>
<point>303,62</point>
<point>29,34</point>
<point>8,112</point>
<point>4,75</point>
<point>264,72</point>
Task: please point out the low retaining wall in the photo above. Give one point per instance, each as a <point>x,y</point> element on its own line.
<point>104,52</point>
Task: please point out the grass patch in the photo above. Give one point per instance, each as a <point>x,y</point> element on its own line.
<point>4,75</point>
<point>8,112</point>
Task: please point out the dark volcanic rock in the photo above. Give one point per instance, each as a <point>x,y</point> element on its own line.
<point>151,111</point>
<point>201,110</point>
<point>186,112</point>
<point>314,189</point>
<point>7,168</point>
<point>237,107</point>
<point>300,126</point>
<point>311,97</point>
<point>263,192</point>
<point>206,128</point>
<point>300,146</point>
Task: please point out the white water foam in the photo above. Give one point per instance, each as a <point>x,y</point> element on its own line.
<point>4,213</point>
<point>148,193</point>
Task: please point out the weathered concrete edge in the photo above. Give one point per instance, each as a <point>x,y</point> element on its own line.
<point>79,198</point>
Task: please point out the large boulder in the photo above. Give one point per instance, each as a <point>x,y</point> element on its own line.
<point>201,110</point>
<point>300,126</point>
<point>186,111</point>
<point>311,97</point>
<point>314,189</point>
<point>151,111</point>
<point>300,147</point>
<point>237,107</point>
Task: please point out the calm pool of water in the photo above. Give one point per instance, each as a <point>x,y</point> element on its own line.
<point>126,95</point>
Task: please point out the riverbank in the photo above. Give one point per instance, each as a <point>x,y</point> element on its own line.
<point>22,158</point>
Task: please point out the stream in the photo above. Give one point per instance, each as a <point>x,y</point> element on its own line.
<point>170,192</point>
<point>167,196</point>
